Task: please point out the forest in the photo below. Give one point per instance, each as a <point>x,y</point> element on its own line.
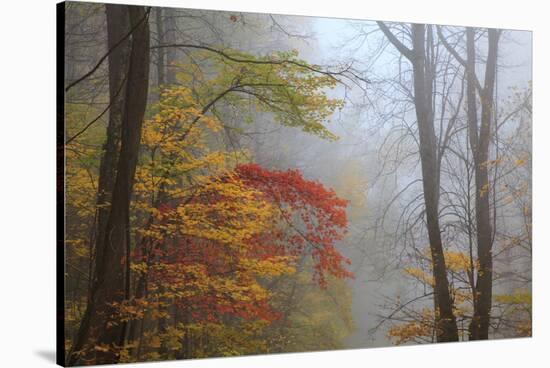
<point>238,183</point>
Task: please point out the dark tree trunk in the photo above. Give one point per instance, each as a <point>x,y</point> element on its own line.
<point>471,99</point>
<point>109,284</point>
<point>479,136</point>
<point>479,142</point>
<point>118,25</point>
<point>141,291</point>
<point>421,60</point>
<point>423,81</point>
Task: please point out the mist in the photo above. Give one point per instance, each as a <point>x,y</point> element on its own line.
<point>435,175</point>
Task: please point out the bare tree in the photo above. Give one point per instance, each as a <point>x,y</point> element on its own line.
<point>479,133</point>
<point>423,73</point>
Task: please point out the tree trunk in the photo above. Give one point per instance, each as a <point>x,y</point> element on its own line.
<point>423,81</point>
<point>117,27</point>
<point>109,281</point>
<point>161,79</point>
<point>161,62</point>
<point>479,142</point>
<point>423,73</point>
<point>170,37</point>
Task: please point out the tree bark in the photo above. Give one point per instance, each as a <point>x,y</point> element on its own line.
<point>161,63</point>
<point>479,136</point>
<point>423,82</point>
<point>479,143</point>
<point>109,279</point>
<point>170,37</point>
<point>423,99</point>
<point>117,27</point>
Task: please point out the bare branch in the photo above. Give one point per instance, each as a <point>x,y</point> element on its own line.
<point>104,57</point>
<point>408,53</point>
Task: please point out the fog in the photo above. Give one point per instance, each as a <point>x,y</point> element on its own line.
<point>362,130</point>
<point>377,163</point>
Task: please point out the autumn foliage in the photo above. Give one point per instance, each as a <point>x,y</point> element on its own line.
<point>246,227</point>
<point>215,236</point>
<point>311,218</point>
<point>216,171</point>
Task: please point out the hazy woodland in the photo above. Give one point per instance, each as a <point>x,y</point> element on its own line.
<point>241,183</point>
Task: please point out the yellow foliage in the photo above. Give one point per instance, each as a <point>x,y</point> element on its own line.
<point>410,331</point>
<point>420,275</point>
<point>271,267</point>
<point>457,261</point>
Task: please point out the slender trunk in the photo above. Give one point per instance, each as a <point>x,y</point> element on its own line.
<point>423,81</point>
<point>161,79</point>
<point>479,327</point>
<point>170,37</point>
<point>109,286</point>
<point>136,326</point>
<point>161,62</point>
<point>422,60</point>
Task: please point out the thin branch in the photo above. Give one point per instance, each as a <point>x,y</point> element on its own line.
<point>102,59</point>
<point>408,53</point>
<point>330,74</point>
<point>100,115</point>
<point>458,58</point>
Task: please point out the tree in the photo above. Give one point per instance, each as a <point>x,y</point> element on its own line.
<point>421,325</point>
<point>174,165</point>
<point>479,143</point>
<point>214,204</point>
<point>419,57</point>
<point>479,140</point>
<point>109,277</point>
<point>188,199</point>
<point>412,320</point>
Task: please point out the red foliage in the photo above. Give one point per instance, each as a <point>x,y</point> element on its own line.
<point>311,220</point>
<point>313,217</point>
